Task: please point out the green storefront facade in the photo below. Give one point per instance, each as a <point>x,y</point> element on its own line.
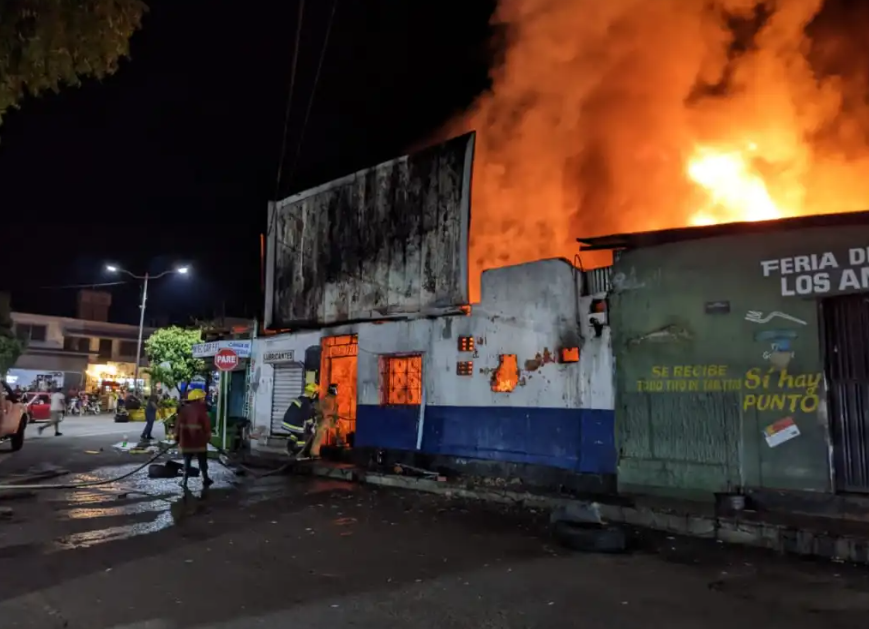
<point>742,357</point>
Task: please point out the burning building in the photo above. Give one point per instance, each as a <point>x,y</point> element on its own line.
<point>370,272</point>
<point>603,117</point>
<point>628,116</point>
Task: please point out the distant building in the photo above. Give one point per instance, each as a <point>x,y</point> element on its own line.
<point>74,352</point>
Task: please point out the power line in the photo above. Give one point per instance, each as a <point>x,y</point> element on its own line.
<point>292,89</point>
<point>323,49</point>
<point>83,285</point>
<point>313,92</point>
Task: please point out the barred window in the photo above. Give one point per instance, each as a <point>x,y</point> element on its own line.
<point>401,380</point>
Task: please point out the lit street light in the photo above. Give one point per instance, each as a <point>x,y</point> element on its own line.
<point>111,268</point>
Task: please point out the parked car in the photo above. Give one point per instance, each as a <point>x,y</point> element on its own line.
<point>13,420</point>
<point>37,406</point>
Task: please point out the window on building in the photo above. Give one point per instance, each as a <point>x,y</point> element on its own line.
<point>401,380</point>
<point>128,349</point>
<point>105,348</point>
<point>76,343</point>
<point>27,332</point>
<point>506,376</point>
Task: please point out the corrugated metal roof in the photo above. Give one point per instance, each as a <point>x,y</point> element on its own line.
<point>666,236</point>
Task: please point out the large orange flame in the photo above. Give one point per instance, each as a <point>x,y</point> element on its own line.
<point>629,115</point>
<point>736,192</point>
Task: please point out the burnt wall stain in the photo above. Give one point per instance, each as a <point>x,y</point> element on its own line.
<point>540,359</point>
<point>388,239</point>
<point>447,332</point>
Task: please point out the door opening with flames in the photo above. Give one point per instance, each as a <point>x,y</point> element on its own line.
<point>338,366</point>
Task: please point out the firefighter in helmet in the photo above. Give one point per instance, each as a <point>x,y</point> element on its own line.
<point>299,419</point>
<point>327,419</point>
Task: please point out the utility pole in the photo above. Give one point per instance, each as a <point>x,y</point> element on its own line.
<point>144,278</point>
<point>141,329</point>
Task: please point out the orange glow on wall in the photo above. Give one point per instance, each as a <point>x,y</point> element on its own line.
<point>262,262</point>
<point>338,366</point>
<point>570,355</point>
<point>506,376</point>
<point>401,380</point>
<point>271,332</point>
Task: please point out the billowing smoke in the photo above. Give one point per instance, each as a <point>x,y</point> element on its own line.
<point>601,110</point>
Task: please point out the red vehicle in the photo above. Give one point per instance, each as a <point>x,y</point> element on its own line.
<point>37,406</point>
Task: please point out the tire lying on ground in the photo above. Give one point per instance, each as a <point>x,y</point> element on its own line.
<point>590,537</point>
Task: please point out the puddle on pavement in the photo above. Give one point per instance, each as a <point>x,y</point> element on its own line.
<point>150,505</point>
<point>140,505</point>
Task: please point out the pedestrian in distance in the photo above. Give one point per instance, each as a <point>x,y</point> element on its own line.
<point>58,408</point>
<point>150,418</point>
<point>193,434</point>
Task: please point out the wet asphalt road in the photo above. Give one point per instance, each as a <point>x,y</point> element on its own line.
<point>285,551</point>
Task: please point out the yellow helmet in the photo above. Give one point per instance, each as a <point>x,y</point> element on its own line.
<point>311,388</point>
<point>196,394</point>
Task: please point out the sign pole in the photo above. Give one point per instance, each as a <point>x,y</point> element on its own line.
<point>224,391</point>
<point>251,364</point>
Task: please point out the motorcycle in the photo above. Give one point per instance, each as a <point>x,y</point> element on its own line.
<point>74,407</point>
<point>93,407</point>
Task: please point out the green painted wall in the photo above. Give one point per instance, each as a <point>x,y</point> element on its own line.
<point>699,378</point>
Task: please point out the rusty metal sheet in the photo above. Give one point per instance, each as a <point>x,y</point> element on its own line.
<point>388,241</point>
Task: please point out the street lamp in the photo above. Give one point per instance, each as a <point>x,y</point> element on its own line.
<point>111,268</point>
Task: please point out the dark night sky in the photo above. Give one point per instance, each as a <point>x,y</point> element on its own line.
<point>174,158</point>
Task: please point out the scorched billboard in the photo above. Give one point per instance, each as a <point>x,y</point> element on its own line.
<point>388,241</point>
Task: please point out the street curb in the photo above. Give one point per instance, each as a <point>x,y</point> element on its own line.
<point>783,539</point>
<point>730,530</point>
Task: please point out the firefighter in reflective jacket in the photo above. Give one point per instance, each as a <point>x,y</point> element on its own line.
<point>299,419</point>
<point>327,419</point>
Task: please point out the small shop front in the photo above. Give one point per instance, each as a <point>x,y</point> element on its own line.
<point>231,359</point>
<point>746,377</point>
<point>111,377</point>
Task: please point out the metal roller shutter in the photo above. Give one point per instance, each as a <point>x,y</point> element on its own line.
<point>289,381</point>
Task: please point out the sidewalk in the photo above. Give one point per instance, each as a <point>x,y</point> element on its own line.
<point>828,538</point>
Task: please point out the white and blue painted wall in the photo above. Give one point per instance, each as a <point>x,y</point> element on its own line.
<point>560,414</point>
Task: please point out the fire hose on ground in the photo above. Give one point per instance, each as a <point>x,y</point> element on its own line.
<point>88,484</point>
